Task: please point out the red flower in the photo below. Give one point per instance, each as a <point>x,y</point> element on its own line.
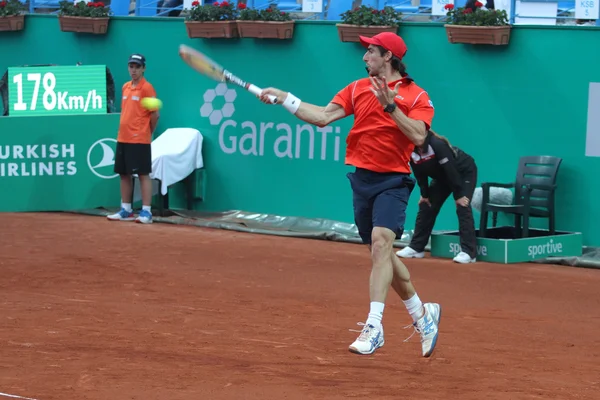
<point>216,4</point>
<point>282,13</point>
<point>269,10</point>
<point>241,6</point>
<point>91,4</point>
<point>467,11</point>
<point>99,4</point>
<point>478,4</point>
<point>224,4</point>
<point>2,4</point>
<point>374,12</point>
<point>195,3</point>
<point>449,7</point>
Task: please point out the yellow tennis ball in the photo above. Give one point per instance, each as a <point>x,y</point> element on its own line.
<point>152,104</point>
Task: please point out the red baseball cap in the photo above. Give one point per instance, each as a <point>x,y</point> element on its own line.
<point>389,41</point>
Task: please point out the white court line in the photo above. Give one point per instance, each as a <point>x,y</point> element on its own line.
<point>14,396</point>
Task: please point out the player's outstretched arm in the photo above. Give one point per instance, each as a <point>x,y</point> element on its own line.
<point>316,115</point>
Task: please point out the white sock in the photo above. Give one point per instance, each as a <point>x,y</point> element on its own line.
<point>147,208</point>
<point>126,206</point>
<point>376,313</point>
<point>414,307</point>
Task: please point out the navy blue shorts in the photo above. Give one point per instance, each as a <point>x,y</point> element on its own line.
<point>380,199</point>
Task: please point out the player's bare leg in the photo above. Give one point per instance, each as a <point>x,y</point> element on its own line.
<point>401,281</point>
<point>426,317</point>
<point>382,272</point>
<point>389,270</point>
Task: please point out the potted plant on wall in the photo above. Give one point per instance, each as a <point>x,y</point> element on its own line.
<point>367,21</point>
<point>11,15</point>
<point>91,17</point>
<point>269,23</point>
<point>476,25</point>
<point>215,20</point>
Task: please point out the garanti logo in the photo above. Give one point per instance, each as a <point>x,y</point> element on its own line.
<point>218,103</point>
<point>267,137</point>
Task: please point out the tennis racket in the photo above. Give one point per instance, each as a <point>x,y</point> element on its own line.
<point>211,69</point>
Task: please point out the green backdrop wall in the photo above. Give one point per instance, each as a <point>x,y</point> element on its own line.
<point>59,165</point>
<point>500,103</point>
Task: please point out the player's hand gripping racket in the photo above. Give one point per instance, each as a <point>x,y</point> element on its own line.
<point>208,67</point>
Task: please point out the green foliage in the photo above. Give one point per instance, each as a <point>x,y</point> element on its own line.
<point>269,14</point>
<point>82,9</point>
<point>369,16</point>
<point>11,8</point>
<point>224,11</point>
<point>476,17</point>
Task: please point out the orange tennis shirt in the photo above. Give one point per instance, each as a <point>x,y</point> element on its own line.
<point>375,142</point>
<point>134,126</point>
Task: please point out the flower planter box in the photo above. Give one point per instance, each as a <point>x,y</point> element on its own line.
<point>12,23</point>
<point>266,29</point>
<point>494,35</point>
<point>212,29</point>
<point>96,26</point>
<point>350,33</point>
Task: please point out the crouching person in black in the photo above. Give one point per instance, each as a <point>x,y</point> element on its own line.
<point>452,171</point>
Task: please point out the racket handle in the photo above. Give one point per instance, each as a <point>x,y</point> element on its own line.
<point>255,90</point>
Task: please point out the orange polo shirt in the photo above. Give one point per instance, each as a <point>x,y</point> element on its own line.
<point>375,142</point>
<point>135,119</point>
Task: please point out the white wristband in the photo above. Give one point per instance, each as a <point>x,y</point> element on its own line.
<point>291,103</point>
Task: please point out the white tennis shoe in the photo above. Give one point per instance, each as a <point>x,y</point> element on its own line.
<point>369,340</point>
<point>407,252</point>
<point>427,327</point>
<point>463,258</point>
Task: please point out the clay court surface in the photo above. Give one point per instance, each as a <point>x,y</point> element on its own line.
<point>92,309</point>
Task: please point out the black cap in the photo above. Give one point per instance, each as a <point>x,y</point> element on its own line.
<point>137,59</point>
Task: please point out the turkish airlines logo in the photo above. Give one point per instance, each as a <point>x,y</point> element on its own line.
<point>101,158</point>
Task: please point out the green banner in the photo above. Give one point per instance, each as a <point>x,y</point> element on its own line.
<point>447,245</point>
<point>66,165</point>
<point>57,90</point>
<point>536,248</point>
<point>507,251</point>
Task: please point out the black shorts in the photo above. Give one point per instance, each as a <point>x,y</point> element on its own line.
<point>380,200</point>
<point>133,158</point>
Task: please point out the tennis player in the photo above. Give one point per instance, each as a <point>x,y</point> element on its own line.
<point>452,171</point>
<point>392,114</point>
